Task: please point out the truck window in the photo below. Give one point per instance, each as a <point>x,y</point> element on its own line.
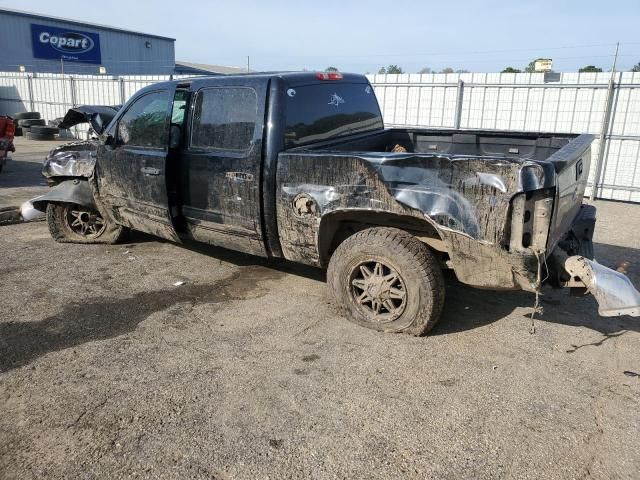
<point>144,123</point>
<point>179,106</point>
<point>322,111</point>
<point>224,118</point>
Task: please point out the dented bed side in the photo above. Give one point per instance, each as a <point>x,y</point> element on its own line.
<point>495,215</point>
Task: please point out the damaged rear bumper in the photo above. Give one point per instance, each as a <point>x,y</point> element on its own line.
<point>613,290</point>
<point>573,266</point>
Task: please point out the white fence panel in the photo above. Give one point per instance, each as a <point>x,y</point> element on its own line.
<point>572,103</point>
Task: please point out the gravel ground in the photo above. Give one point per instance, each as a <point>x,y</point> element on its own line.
<point>107,370</point>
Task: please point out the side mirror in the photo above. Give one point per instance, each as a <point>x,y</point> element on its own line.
<point>175,136</point>
<point>97,123</point>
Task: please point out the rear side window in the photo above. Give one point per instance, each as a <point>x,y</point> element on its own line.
<point>144,123</point>
<point>224,118</point>
<point>331,109</point>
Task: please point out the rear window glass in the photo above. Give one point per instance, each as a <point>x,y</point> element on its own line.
<point>322,111</point>
<point>224,118</point>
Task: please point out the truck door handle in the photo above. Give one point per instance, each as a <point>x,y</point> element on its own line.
<point>150,171</point>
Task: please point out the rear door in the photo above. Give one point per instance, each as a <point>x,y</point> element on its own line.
<point>131,171</point>
<point>221,163</point>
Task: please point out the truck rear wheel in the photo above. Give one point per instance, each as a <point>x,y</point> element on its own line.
<point>71,223</point>
<point>387,280</point>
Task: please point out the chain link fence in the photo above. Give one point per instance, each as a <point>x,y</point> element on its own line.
<point>570,103</point>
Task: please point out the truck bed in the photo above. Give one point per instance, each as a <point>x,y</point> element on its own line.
<point>479,143</point>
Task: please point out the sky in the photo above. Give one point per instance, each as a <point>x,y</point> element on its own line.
<point>362,36</point>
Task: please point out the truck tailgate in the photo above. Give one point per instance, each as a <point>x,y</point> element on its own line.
<point>571,163</point>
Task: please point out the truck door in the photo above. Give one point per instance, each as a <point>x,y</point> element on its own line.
<point>220,164</point>
<point>131,167</point>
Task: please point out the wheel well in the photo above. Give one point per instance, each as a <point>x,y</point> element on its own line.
<point>335,228</point>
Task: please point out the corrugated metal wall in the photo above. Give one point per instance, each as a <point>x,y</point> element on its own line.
<point>524,102</point>
<point>520,102</point>
<point>122,53</point>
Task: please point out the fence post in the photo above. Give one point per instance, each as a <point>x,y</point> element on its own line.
<point>30,90</point>
<point>457,120</point>
<point>605,127</point>
<point>72,88</point>
<point>603,138</point>
<point>121,82</point>
<point>74,101</point>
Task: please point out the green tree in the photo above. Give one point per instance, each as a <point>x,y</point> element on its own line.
<point>331,69</point>
<point>636,67</point>
<point>511,70</point>
<point>425,70</point>
<point>447,70</point>
<point>391,69</point>
<point>590,68</point>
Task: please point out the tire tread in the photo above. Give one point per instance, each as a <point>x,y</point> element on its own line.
<point>414,251</point>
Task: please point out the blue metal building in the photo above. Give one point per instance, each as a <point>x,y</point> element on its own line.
<point>39,43</point>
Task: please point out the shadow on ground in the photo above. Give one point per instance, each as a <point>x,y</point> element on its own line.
<point>102,318</point>
<point>17,174</point>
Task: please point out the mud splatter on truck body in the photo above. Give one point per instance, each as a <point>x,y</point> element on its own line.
<point>490,212</point>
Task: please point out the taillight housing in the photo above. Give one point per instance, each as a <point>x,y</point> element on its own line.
<point>329,76</point>
<point>530,220</point>
<point>10,128</point>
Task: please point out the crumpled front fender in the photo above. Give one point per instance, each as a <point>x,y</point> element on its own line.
<point>76,191</point>
<point>613,290</point>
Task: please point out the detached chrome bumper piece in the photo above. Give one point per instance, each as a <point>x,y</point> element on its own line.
<point>613,290</point>
<point>28,211</point>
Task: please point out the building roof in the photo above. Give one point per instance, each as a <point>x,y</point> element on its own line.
<point>80,23</point>
<point>190,67</point>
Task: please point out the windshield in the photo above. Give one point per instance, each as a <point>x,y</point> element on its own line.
<point>325,110</point>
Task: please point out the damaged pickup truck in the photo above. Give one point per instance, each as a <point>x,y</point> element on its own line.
<point>299,166</point>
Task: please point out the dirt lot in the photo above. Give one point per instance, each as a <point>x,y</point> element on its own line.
<point>107,370</point>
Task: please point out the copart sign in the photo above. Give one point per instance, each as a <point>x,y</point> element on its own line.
<point>62,43</point>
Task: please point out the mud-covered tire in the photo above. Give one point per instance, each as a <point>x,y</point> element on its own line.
<point>420,278</point>
<point>60,217</point>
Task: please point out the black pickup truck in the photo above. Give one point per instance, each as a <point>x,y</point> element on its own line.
<point>299,166</point>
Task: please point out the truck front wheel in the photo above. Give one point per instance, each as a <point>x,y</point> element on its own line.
<point>71,223</point>
<point>387,280</point>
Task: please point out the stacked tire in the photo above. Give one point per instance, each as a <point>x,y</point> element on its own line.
<point>33,126</point>
<point>20,117</point>
<point>23,122</point>
<point>41,132</point>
